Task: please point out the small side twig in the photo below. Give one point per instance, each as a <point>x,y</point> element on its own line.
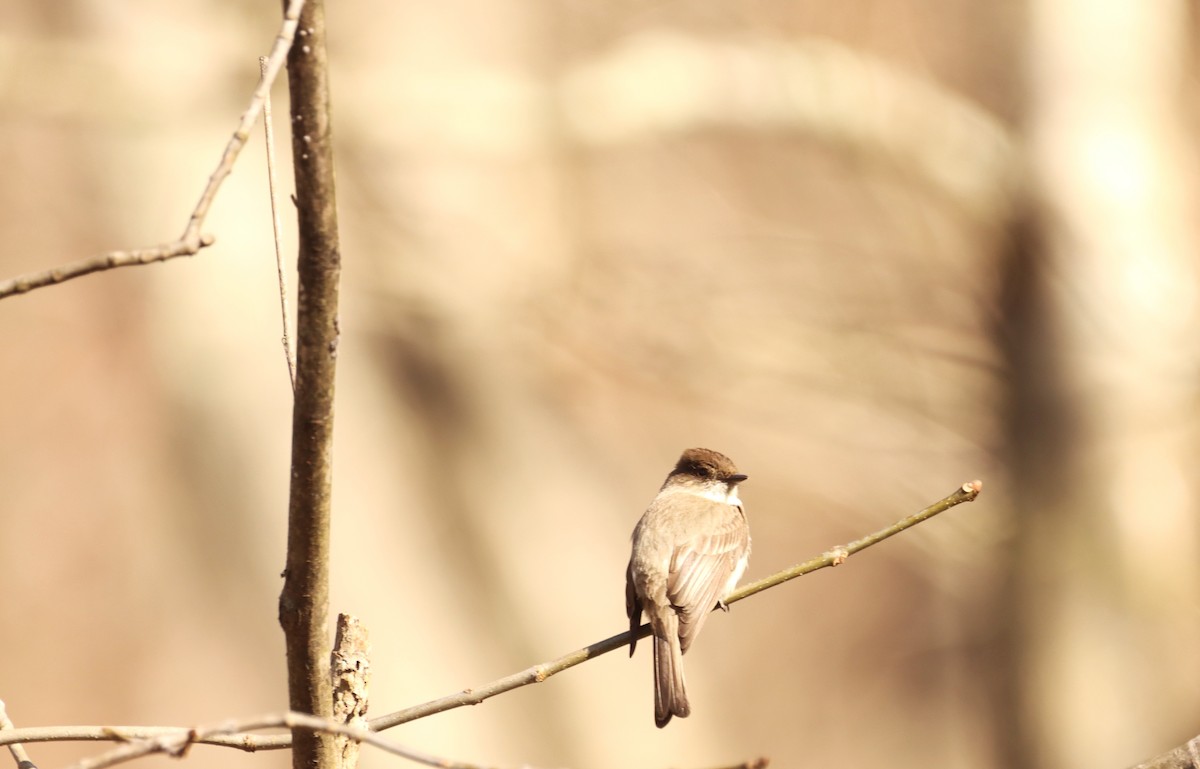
<point>16,748</point>
<point>277,225</point>
<point>192,240</point>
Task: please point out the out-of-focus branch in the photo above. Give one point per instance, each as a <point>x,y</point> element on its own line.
<point>192,240</point>
<point>1186,756</point>
<point>304,601</point>
<point>659,83</point>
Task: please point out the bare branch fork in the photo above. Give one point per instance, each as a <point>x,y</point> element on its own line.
<point>176,742</point>
<point>192,239</point>
<point>16,749</point>
<point>238,738</point>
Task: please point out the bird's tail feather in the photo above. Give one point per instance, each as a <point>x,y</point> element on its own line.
<point>670,694</point>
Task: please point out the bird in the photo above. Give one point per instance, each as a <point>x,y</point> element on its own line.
<point>689,550</point>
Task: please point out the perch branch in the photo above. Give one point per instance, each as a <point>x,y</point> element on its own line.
<point>838,555</point>
<point>536,674</point>
<point>192,240</point>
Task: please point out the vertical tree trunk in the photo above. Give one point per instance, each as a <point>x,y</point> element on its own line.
<point>304,603</point>
<point>1106,422</point>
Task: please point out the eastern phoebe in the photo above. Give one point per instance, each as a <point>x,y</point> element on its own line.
<point>689,550</point>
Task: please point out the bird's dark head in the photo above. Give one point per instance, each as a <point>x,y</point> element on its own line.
<point>707,466</point>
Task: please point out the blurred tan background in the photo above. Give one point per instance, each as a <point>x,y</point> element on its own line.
<point>870,250</point>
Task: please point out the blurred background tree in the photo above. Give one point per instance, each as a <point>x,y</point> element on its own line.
<point>868,250</point>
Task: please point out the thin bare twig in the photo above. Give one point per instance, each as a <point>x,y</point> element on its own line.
<point>277,226</point>
<point>16,748</point>
<point>536,674</point>
<point>250,743</point>
<point>192,240</point>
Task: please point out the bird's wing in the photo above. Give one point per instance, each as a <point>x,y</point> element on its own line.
<point>633,607</point>
<point>700,569</point>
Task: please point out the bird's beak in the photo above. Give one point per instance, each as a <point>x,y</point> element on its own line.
<point>737,478</point>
